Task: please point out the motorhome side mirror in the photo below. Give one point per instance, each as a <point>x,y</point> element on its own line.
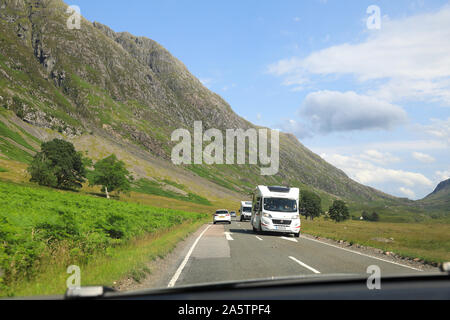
<point>239,210</point>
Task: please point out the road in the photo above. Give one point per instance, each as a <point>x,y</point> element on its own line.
<point>234,252</point>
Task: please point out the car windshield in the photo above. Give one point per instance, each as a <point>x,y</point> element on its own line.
<point>177,143</point>
<point>280,205</point>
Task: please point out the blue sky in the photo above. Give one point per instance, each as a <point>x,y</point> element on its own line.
<point>375,103</point>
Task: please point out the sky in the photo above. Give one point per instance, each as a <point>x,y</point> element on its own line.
<point>371,96</point>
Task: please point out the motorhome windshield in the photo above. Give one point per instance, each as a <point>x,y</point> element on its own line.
<point>247,209</point>
<point>280,205</point>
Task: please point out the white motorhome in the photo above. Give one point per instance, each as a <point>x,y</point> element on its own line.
<point>246,210</point>
<point>275,209</point>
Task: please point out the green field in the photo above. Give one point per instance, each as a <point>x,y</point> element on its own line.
<point>429,241</point>
<point>42,228</point>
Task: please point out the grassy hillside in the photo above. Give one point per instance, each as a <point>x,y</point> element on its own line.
<point>40,226</point>
<point>437,200</point>
<point>132,91</point>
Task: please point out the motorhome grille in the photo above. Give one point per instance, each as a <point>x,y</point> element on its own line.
<point>281,222</point>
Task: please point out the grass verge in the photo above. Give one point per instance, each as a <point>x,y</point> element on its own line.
<point>128,260</point>
<point>41,228</point>
<point>428,241</point>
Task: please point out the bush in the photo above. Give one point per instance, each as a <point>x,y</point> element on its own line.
<point>339,211</point>
<point>374,217</point>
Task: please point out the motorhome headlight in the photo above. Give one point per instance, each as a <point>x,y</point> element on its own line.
<point>267,215</point>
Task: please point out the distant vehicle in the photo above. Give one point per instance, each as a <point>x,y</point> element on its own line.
<point>233,214</point>
<point>222,216</point>
<point>275,209</point>
<point>246,210</point>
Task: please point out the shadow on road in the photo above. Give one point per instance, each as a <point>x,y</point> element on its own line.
<point>269,234</point>
<point>241,231</point>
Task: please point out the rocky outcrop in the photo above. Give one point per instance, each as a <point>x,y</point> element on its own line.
<point>133,90</point>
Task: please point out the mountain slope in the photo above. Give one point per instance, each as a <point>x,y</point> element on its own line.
<point>129,92</point>
<point>439,199</point>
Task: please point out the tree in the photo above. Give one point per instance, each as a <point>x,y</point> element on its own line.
<point>371,217</point>
<point>58,165</point>
<point>375,217</point>
<point>366,216</point>
<point>310,204</point>
<point>339,211</point>
<point>111,174</point>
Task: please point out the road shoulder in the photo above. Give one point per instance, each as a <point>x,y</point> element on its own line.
<point>161,269</point>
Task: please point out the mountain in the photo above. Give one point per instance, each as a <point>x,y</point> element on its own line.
<point>439,199</point>
<point>115,92</point>
<point>441,191</point>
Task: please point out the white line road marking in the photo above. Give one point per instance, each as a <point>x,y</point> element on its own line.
<point>259,238</point>
<point>290,239</point>
<point>228,236</point>
<point>304,265</point>
<point>183,264</point>
<point>362,254</point>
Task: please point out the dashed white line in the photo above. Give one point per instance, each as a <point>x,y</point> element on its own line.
<point>304,265</point>
<point>183,264</point>
<point>259,238</point>
<point>289,239</point>
<point>362,254</point>
<point>228,236</point>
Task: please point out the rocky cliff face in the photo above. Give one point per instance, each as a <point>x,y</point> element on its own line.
<point>442,187</point>
<point>133,90</point>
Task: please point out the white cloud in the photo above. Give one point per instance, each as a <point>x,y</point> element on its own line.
<point>408,192</point>
<point>330,111</point>
<point>207,82</point>
<point>438,128</point>
<point>379,157</point>
<point>299,83</point>
<point>367,173</point>
<point>422,157</point>
<point>409,57</point>
<point>296,128</point>
<point>442,175</point>
<point>362,150</point>
<point>408,145</point>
